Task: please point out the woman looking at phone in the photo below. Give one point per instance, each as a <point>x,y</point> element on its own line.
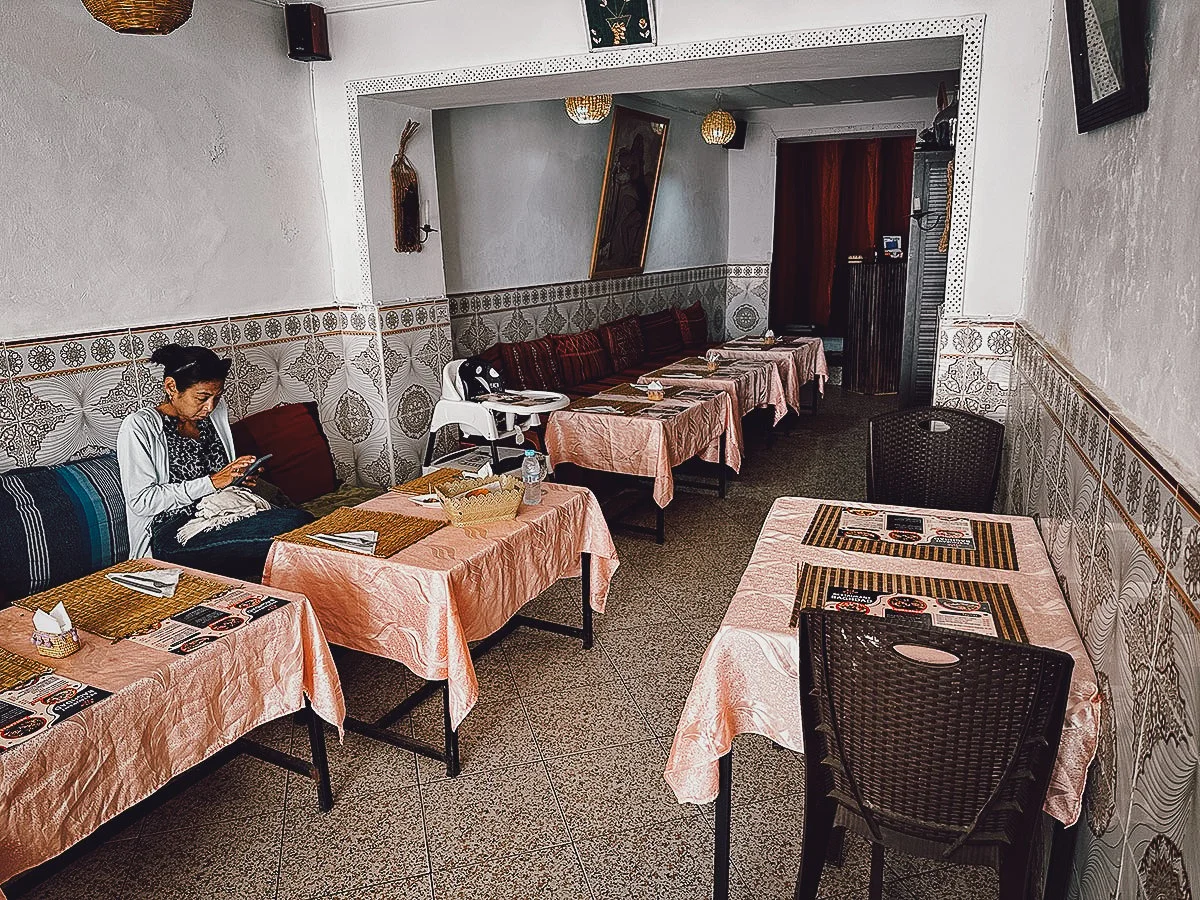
<point>175,454</point>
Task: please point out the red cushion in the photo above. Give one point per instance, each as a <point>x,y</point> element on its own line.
<point>581,357</point>
<point>532,365</point>
<point>693,325</point>
<point>623,341</point>
<point>302,466</point>
<point>660,333</point>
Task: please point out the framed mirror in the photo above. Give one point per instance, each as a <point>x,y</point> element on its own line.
<point>1108,60</point>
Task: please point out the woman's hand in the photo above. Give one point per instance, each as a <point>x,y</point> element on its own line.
<point>232,472</point>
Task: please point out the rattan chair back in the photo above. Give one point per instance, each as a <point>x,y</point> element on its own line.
<point>934,457</point>
<point>947,760</point>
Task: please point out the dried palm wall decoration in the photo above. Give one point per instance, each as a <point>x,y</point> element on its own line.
<point>406,197</point>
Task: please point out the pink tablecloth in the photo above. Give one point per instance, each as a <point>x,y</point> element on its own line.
<point>800,361</point>
<point>748,678</point>
<point>651,448</point>
<point>750,385</point>
<point>166,714</point>
<point>423,605</point>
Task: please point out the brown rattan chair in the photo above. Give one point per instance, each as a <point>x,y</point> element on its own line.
<point>915,461</point>
<point>947,761</point>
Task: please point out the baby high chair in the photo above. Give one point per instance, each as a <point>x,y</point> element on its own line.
<point>474,398</point>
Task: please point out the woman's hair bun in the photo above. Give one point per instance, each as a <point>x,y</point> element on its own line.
<point>190,365</point>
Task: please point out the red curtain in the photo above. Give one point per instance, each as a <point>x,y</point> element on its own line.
<point>832,199</point>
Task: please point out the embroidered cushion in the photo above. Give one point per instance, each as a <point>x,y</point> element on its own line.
<point>532,365</point>
<point>693,325</point>
<point>660,333</point>
<point>60,523</point>
<point>581,357</point>
<point>301,464</point>
<point>623,341</point>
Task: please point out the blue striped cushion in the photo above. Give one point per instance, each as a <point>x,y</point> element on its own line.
<point>60,523</point>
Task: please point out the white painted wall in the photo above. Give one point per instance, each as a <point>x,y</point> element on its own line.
<point>396,276</point>
<point>1113,272</point>
<point>154,179</point>
<point>520,186</point>
<point>752,170</point>
<point>448,34</point>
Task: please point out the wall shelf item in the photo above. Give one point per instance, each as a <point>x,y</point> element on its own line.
<point>874,327</point>
<point>635,155</point>
<point>406,197</point>
<point>615,24</point>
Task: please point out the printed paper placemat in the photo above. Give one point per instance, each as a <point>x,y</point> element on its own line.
<point>960,541</point>
<point>978,607</point>
<point>16,669</point>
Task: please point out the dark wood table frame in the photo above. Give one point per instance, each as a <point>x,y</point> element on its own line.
<point>448,753</point>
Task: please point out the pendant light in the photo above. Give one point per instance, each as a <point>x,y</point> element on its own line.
<point>140,16</point>
<point>718,126</point>
<point>589,110</point>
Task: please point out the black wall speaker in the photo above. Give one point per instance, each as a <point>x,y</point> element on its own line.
<point>308,38</point>
<point>739,136</point>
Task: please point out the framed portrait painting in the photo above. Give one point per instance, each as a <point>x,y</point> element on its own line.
<point>635,155</point>
<point>1108,60</point>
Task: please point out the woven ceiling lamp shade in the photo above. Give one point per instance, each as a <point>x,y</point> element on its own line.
<point>140,16</point>
<point>718,127</point>
<point>589,110</point>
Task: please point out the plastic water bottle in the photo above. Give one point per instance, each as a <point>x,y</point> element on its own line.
<point>531,474</point>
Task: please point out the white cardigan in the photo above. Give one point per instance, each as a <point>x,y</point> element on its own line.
<point>146,472</point>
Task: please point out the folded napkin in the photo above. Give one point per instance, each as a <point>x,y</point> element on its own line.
<point>357,541</point>
<point>54,622</point>
<point>155,582</point>
<point>220,509</point>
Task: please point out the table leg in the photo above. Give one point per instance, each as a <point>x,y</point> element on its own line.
<point>453,767</point>
<point>320,760</point>
<point>723,472</point>
<point>724,812</point>
<point>585,569</point>
<point>1062,858</point>
<point>660,525</point>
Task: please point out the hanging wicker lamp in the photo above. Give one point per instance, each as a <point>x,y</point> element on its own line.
<point>718,127</point>
<point>140,16</point>
<point>589,110</point>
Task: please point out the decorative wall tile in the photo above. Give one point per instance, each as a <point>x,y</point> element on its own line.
<point>974,366</point>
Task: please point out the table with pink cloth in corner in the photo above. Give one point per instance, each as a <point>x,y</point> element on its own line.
<point>424,605</point>
<point>643,446</point>
<point>800,361</point>
<point>748,677</point>
<point>166,714</point>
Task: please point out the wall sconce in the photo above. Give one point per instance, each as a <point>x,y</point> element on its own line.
<point>426,229</point>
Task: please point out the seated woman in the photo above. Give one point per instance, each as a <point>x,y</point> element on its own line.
<point>173,455</point>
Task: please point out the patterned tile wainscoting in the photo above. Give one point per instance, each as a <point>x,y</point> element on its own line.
<point>481,319</point>
<point>1124,538</point>
<point>64,398</point>
<point>974,366</point>
<point>747,299</point>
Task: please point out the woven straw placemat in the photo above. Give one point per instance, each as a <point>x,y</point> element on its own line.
<point>396,531</point>
<point>424,484</point>
<point>815,582</point>
<point>628,390</point>
<point>15,669</point>
<point>106,608</point>
<point>626,407</point>
<point>994,544</point>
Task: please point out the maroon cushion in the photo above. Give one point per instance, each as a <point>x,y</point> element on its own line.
<point>693,325</point>
<point>660,333</point>
<point>623,341</point>
<point>532,365</point>
<point>581,357</point>
<point>301,465</point>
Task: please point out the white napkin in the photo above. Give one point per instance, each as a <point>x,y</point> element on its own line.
<point>425,500</point>
<point>655,385</point>
<point>359,541</point>
<point>155,582</point>
<point>54,622</point>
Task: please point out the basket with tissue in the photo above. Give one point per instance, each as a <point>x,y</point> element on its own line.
<point>477,501</point>
<point>53,633</point>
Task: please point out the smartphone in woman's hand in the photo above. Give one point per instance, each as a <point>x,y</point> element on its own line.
<point>254,467</point>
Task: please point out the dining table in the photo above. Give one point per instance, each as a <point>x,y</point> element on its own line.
<point>622,431</point>
<point>750,384</point>
<point>748,677</point>
<point>93,734</point>
<point>800,360</point>
<point>427,603</point>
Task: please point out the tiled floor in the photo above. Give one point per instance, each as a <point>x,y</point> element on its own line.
<point>561,794</point>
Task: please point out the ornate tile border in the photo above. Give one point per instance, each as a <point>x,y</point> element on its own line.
<point>974,366</point>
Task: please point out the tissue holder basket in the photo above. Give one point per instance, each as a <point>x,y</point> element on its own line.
<point>496,505</point>
<point>56,645</point>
